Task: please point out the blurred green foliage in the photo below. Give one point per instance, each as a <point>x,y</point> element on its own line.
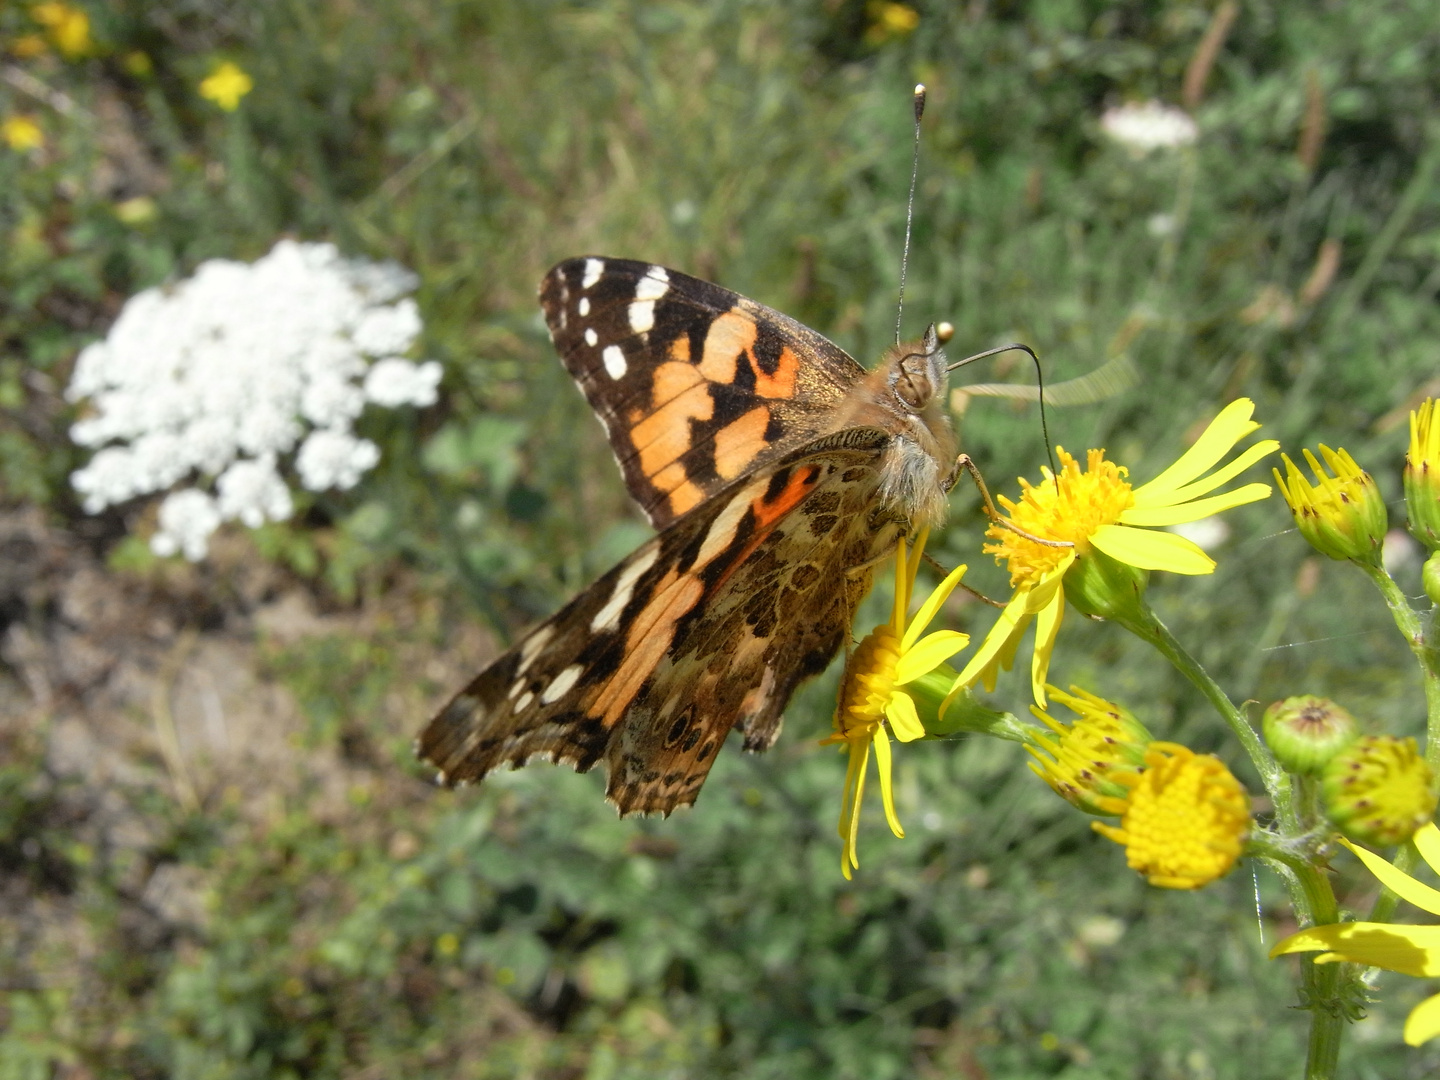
<point>522,930</point>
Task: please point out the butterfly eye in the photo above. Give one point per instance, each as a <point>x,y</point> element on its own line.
<point>912,382</point>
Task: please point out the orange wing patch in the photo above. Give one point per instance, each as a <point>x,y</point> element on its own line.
<point>738,442</point>
<point>734,335</point>
<point>647,642</point>
<point>729,336</point>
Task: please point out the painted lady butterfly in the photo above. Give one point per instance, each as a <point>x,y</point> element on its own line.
<point>777,471</point>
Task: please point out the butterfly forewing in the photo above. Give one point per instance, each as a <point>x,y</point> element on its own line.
<point>696,385</point>
<point>710,625</point>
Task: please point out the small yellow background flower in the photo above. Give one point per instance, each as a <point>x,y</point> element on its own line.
<point>226,85</point>
<point>69,28</point>
<point>21,133</point>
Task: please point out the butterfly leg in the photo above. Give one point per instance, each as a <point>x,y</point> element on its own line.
<point>967,464</point>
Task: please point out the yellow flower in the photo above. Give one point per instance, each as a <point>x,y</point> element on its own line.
<point>21,133</point>
<point>226,85</point>
<point>1081,763</point>
<point>1379,789</point>
<point>1410,950</point>
<point>69,28</point>
<point>1342,516</point>
<point>888,19</point>
<point>27,46</point>
<point>1098,511</point>
<point>1422,474</point>
<point>1185,820</point>
<point>872,694</point>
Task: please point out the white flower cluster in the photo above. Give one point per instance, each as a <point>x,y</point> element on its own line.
<point>1149,126</point>
<point>226,372</point>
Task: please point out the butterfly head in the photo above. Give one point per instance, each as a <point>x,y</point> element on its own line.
<point>909,385</point>
<point>915,372</point>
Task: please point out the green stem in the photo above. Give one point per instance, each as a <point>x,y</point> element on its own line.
<point>1277,782</point>
<point>1412,629</point>
<point>1322,982</point>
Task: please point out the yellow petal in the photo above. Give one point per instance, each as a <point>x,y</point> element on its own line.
<point>1423,1023</point>
<point>1232,425</point>
<point>1427,841</point>
<point>930,607</point>
<point>1042,594</point>
<point>901,603</point>
<point>995,640</point>
<point>917,553</point>
<point>1196,509</point>
<point>1170,496</point>
<point>1047,625</point>
<point>850,811</point>
<point>1410,950</point>
<point>929,653</point>
<point>1151,550</point>
<point>1397,881</point>
<point>882,766</point>
<point>904,719</point>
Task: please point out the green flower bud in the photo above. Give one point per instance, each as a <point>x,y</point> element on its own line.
<point>1430,578</point>
<point>1422,475</point>
<point>1306,732</point>
<point>1379,790</point>
<point>1342,516</point>
<point>1104,588</point>
<point>1083,760</point>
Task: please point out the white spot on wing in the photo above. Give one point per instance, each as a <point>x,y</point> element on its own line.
<point>561,684</point>
<point>584,306</point>
<point>609,615</point>
<point>614,361</point>
<point>590,336</point>
<point>524,702</point>
<point>654,285</point>
<point>515,690</point>
<point>533,644</point>
<point>593,269</point>
<point>642,315</point>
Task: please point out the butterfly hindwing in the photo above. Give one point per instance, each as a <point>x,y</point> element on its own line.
<point>695,384</point>
<point>710,625</point>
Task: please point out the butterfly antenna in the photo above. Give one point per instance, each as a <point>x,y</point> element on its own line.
<point>910,205</point>
<point>1039,383</point>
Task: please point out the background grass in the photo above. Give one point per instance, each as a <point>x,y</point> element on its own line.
<point>337,917</point>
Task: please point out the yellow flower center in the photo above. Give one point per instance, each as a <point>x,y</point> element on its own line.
<point>1185,819</point>
<point>1070,509</point>
<point>867,689</point>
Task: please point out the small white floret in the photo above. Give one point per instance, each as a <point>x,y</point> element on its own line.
<point>187,520</point>
<point>1149,126</point>
<point>393,382</point>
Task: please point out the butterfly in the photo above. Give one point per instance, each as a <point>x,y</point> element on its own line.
<point>777,471</point>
